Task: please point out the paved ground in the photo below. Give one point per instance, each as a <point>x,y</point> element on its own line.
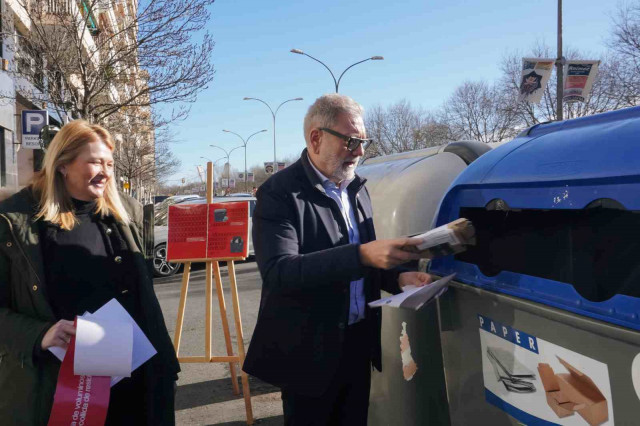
<point>205,395</point>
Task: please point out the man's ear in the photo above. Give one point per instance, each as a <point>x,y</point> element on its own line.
<point>315,139</point>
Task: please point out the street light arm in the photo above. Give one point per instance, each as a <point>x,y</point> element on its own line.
<point>234,133</point>
<point>241,146</point>
<point>288,100</point>
<point>223,150</point>
<point>347,69</point>
<point>250,136</point>
<point>260,100</point>
<point>329,69</point>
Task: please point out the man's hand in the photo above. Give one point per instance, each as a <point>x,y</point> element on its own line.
<point>59,335</point>
<point>416,279</point>
<point>385,254</point>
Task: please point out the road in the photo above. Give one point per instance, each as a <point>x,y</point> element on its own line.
<point>205,395</point>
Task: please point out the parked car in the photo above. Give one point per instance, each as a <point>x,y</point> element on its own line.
<point>161,210</point>
<point>163,268</point>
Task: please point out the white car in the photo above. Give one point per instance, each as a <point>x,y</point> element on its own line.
<point>162,268</point>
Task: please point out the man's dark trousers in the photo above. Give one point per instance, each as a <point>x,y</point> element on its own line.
<point>346,401</point>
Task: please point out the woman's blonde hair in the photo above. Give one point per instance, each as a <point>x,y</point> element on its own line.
<point>55,203</point>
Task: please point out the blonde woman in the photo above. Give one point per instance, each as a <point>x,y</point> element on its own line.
<point>69,244</point>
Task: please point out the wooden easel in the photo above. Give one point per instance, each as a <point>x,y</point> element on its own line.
<point>213,267</point>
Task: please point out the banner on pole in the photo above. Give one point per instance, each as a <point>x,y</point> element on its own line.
<point>268,166</point>
<point>250,177</point>
<point>535,76</point>
<point>578,80</point>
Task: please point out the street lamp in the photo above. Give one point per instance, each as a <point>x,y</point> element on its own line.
<point>227,154</point>
<point>337,82</point>
<point>213,170</point>
<point>273,114</point>
<point>244,143</point>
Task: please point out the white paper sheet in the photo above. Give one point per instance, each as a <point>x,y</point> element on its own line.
<point>103,347</point>
<point>143,350</point>
<point>414,298</point>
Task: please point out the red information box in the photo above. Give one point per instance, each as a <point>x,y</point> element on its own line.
<point>213,231</point>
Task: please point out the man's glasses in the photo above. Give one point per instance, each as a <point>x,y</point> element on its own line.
<point>352,143</point>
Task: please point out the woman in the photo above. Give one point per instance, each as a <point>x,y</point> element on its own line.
<point>69,244</point>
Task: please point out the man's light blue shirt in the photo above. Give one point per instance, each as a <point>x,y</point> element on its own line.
<point>341,197</point>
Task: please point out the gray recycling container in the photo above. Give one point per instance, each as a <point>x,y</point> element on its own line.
<point>542,325</point>
<point>405,192</point>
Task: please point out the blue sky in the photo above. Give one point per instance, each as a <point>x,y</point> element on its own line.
<point>430,47</point>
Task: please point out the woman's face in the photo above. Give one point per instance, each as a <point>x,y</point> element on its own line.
<point>86,177</point>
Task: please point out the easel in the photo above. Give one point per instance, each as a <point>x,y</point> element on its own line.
<point>213,267</point>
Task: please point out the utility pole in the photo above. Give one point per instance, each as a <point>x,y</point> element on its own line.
<point>559,68</point>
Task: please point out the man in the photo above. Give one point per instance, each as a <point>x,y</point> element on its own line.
<point>320,264</point>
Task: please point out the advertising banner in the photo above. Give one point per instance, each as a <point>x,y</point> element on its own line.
<point>249,177</point>
<point>535,76</point>
<point>540,383</point>
<point>268,166</point>
<point>578,80</point>
<point>208,231</point>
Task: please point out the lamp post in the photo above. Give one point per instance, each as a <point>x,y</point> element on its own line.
<point>337,82</point>
<point>273,114</point>
<point>560,68</point>
<point>227,154</point>
<point>244,144</point>
<point>214,170</point>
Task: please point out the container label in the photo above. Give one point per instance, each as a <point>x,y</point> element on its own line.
<point>539,383</point>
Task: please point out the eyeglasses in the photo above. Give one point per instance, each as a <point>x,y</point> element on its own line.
<point>352,143</point>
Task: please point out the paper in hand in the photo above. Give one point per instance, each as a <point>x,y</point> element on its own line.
<point>103,347</point>
<point>444,240</point>
<point>416,297</point>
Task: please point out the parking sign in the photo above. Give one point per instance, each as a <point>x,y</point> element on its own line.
<point>32,122</point>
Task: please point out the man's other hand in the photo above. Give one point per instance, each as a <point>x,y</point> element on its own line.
<point>386,254</point>
<point>416,279</point>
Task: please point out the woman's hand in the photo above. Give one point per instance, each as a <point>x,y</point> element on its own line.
<point>59,335</point>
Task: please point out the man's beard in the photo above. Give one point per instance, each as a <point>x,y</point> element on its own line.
<point>342,171</point>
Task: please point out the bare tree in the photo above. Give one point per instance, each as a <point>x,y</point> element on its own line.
<point>625,43</point>
<point>479,111</point>
<point>401,127</point>
<point>97,58</point>
<point>143,157</point>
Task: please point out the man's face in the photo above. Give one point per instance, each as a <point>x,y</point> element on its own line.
<point>330,154</point>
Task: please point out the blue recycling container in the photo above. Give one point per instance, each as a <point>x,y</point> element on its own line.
<point>542,324</point>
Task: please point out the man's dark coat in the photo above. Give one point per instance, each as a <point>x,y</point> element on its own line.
<point>307,263</point>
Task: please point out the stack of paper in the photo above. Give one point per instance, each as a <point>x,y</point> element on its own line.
<point>108,343</point>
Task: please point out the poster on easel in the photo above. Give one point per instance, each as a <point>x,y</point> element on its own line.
<point>208,231</point>
<point>228,230</point>
<point>187,237</point>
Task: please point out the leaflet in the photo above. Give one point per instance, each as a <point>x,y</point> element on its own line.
<point>415,298</point>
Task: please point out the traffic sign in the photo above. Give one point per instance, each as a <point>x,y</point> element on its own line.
<point>32,122</point>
